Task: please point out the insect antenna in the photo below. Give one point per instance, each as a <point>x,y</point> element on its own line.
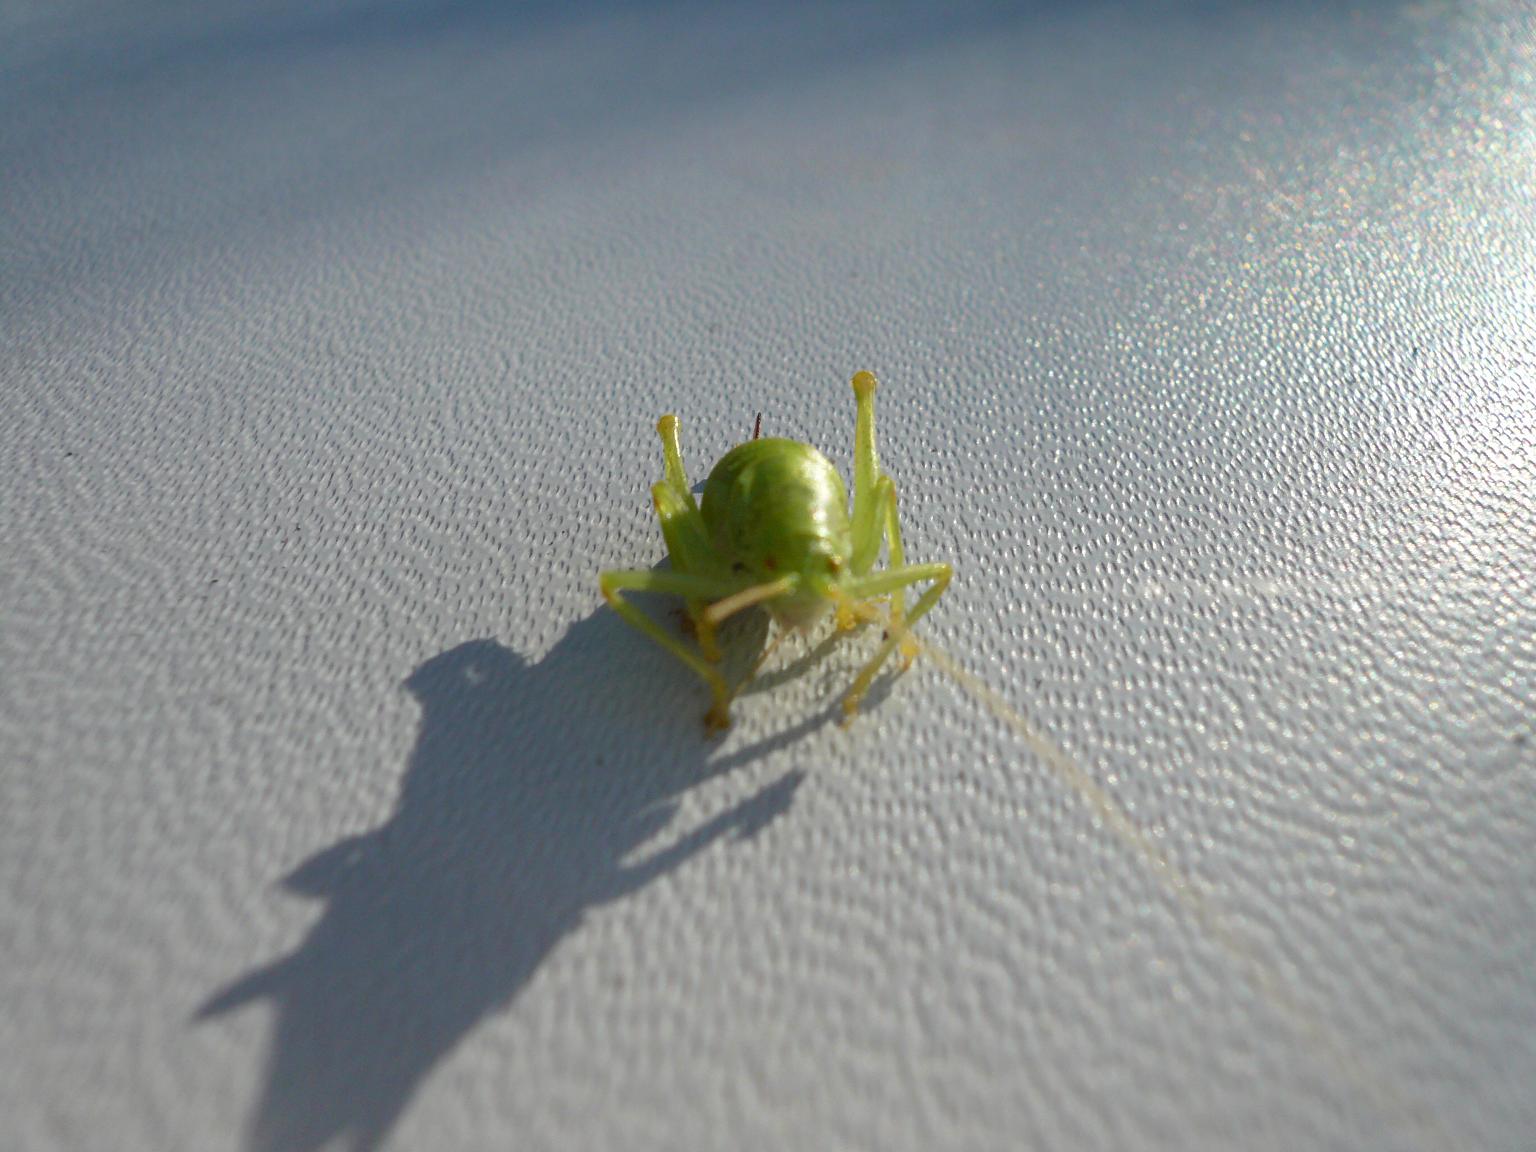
<point>1314,1029</point>
<point>757,427</point>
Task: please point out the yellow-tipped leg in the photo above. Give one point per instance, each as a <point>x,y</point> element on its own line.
<point>704,631</point>
<point>672,460</point>
<point>614,584</point>
<point>723,609</point>
<point>718,718</point>
<point>847,616</point>
<point>899,633</point>
<point>866,472</point>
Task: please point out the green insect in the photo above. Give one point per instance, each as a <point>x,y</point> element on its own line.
<point>774,529</point>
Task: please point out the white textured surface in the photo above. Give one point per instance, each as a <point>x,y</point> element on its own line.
<point>331,345</point>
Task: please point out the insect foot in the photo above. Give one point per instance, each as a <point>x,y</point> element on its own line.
<point>717,720</point>
<point>850,711</point>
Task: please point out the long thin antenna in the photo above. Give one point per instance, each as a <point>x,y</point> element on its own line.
<point>1271,984</point>
<point>757,428</point>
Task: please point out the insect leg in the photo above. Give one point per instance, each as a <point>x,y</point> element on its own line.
<point>721,610</point>
<point>893,580</point>
<point>672,460</point>
<point>690,587</point>
<point>884,525</point>
<point>688,548</point>
<point>866,466</point>
<point>897,560</point>
<point>866,551</point>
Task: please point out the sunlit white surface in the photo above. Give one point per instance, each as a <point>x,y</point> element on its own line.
<point>332,341</point>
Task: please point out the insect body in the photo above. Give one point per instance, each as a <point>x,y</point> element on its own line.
<point>774,529</point>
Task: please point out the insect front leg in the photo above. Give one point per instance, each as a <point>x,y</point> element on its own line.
<point>880,584</point>
<point>693,589</point>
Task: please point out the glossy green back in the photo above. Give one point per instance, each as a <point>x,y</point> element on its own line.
<point>775,507</point>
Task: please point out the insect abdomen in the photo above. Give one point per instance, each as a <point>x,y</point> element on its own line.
<point>773,507</point>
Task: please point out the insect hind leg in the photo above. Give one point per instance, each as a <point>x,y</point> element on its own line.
<point>672,460</point>
<point>884,526</point>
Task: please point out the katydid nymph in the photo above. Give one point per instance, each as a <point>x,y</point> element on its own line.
<point>774,529</point>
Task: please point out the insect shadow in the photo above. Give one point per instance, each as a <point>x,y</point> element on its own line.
<point>530,797</point>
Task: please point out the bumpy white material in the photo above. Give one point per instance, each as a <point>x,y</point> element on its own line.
<point>333,807</point>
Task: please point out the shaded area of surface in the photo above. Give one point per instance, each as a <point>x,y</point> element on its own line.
<point>516,818</point>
